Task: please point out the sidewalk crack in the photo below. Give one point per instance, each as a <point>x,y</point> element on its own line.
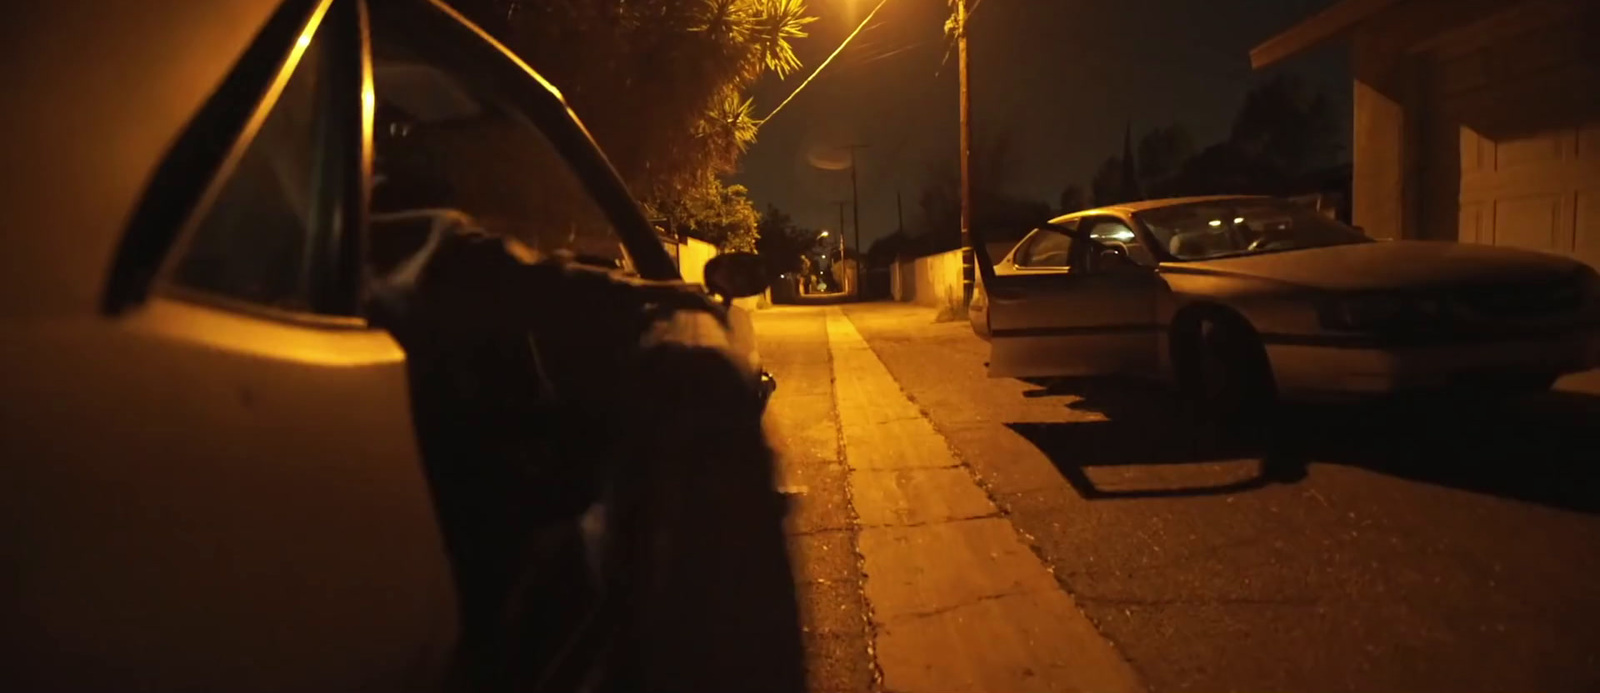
<point>927,523</point>
<point>919,615</point>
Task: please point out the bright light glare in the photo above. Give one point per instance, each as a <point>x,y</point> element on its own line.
<point>1216,222</point>
<point>1238,220</point>
<point>824,234</point>
<point>1122,235</point>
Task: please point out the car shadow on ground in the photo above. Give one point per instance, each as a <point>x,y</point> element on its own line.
<point>1541,448</point>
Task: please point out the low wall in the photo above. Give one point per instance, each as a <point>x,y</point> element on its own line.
<point>692,255</point>
<point>931,280</point>
<point>935,280</point>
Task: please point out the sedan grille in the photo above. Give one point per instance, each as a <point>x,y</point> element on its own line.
<point>1524,299</point>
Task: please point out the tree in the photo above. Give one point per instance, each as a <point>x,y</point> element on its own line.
<point>782,243</point>
<point>1286,127</point>
<point>1281,133</point>
<point>1161,155</point>
<point>1118,180</point>
<point>937,225</point>
<point>1106,186</point>
<point>885,250</point>
<point>1002,215</point>
<point>718,214</point>
<point>661,84</point>
<point>1224,169</point>
<point>1132,187</point>
<point>1072,198</point>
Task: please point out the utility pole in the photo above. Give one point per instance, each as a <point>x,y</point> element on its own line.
<point>899,213</point>
<point>841,204</point>
<point>855,199</point>
<point>966,154</point>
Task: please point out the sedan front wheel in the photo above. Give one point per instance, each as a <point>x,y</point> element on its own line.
<point>1223,374</point>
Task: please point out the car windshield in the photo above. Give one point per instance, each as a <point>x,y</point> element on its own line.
<point>1227,228</point>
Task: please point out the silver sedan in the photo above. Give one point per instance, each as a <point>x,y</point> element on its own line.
<point>1240,298</point>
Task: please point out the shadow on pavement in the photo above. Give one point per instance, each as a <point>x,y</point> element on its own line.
<point>1539,449</point>
<point>827,299</point>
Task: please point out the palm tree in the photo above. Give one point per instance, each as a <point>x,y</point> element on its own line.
<point>661,84</point>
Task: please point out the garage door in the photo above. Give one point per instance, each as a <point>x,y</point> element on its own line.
<point>1540,191</point>
<point>1522,100</point>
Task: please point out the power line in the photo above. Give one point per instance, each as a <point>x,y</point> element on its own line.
<point>824,64</point>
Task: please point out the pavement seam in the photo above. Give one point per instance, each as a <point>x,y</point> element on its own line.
<point>1003,510</point>
<point>869,624</point>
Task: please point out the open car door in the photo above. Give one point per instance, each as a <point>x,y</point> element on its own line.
<point>1069,303</point>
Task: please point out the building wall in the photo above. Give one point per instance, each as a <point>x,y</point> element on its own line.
<point>1379,175</point>
<point>1479,120</point>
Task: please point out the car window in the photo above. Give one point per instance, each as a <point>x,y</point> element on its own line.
<point>256,242</point>
<point>1116,233</point>
<point>1248,226</point>
<point>1047,248</point>
<point>443,141</point>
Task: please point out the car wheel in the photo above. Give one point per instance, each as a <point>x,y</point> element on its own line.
<point>1224,377</point>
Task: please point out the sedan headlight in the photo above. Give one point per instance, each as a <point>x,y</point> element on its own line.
<point>1381,312</point>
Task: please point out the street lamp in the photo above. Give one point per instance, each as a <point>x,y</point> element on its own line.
<point>833,264</point>
<point>826,234</point>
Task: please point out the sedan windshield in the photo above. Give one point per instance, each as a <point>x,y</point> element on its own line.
<point>1227,228</point>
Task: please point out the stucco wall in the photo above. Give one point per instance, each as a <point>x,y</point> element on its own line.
<point>693,254</point>
<point>933,280</point>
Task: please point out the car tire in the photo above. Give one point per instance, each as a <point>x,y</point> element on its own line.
<point>1225,380</point>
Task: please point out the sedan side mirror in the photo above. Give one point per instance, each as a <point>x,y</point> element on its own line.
<point>736,275</point>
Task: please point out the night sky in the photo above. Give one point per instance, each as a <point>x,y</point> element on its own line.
<point>1061,78</point>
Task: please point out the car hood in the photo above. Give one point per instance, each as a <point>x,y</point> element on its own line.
<point>1388,265</point>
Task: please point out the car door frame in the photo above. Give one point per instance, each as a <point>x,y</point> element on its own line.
<point>236,452</point>
<point>212,144</point>
<point>474,54</point>
<point>1043,321</point>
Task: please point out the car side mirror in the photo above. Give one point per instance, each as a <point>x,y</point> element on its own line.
<point>736,275</point>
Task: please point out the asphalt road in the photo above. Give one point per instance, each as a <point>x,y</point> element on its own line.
<point>1419,548</point>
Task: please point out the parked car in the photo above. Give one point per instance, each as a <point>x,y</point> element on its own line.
<point>221,471</point>
<point>1254,297</point>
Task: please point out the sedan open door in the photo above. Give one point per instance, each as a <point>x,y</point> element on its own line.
<point>1071,302</point>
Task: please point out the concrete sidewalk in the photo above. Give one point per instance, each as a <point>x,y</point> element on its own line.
<point>957,601</point>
